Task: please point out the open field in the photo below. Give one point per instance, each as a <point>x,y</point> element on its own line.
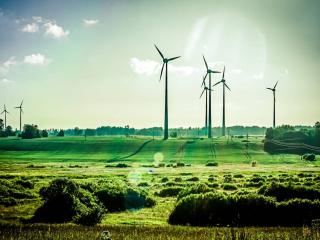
<point>42,160</point>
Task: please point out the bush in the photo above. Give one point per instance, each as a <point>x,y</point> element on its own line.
<point>229,186</point>
<point>193,179</point>
<point>164,179</point>
<point>118,165</point>
<point>180,164</point>
<point>227,178</point>
<point>25,183</point>
<point>44,133</point>
<point>309,157</point>
<point>30,131</point>
<point>169,192</point>
<point>117,198</point>
<point>194,189</point>
<point>211,164</point>
<point>65,201</point>
<point>218,209</point>
<point>284,192</point>
<point>60,133</point>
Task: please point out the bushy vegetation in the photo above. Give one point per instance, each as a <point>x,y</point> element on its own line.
<point>30,131</point>
<point>119,197</point>
<point>13,191</point>
<point>169,191</point>
<point>194,189</point>
<point>283,192</point>
<point>211,164</point>
<point>219,209</point>
<point>65,201</point>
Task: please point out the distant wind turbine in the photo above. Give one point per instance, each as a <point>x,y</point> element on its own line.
<point>223,81</point>
<point>205,90</point>
<point>5,116</point>
<point>165,64</point>
<point>274,103</point>
<point>209,71</point>
<point>21,111</point>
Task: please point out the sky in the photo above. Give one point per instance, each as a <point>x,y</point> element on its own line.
<point>92,63</point>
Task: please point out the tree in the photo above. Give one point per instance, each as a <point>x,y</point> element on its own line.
<point>9,131</point>
<point>30,131</point>
<point>77,131</point>
<point>60,133</point>
<point>44,133</point>
<point>317,133</point>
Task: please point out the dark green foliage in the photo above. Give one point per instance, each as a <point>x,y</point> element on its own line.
<point>60,133</point>
<point>229,186</point>
<point>178,179</point>
<point>227,178</point>
<point>239,175</point>
<point>180,164</point>
<point>65,201</point>
<point>30,131</point>
<point>174,134</point>
<point>44,133</point>
<point>11,192</point>
<point>211,164</point>
<point>119,198</point>
<point>164,179</point>
<point>25,183</point>
<point>194,189</point>
<point>118,165</point>
<point>169,191</point>
<point>212,209</point>
<point>193,179</point>
<point>309,157</point>
<point>143,184</point>
<point>284,192</point>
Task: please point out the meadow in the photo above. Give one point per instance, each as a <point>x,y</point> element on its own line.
<point>153,165</point>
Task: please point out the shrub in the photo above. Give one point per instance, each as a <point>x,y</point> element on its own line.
<point>238,175</point>
<point>178,179</point>
<point>30,131</point>
<point>169,192</point>
<point>211,164</point>
<point>118,165</point>
<point>116,198</point>
<point>309,157</point>
<point>194,189</point>
<point>164,179</point>
<point>180,164</point>
<point>60,133</point>
<point>25,183</point>
<point>65,201</point>
<point>229,186</point>
<point>227,178</point>
<point>143,184</point>
<point>284,192</point>
<point>211,209</point>
<point>193,179</point>
<point>44,133</point>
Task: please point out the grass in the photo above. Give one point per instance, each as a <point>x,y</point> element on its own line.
<point>41,160</point>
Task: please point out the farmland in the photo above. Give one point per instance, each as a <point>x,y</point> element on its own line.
<point>148,164</point>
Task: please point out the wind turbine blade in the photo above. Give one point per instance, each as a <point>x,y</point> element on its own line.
<point>205,62</point>
<point>204,79</point>
<point>275,85</point>
<point>224,68</point>
<point>227,86</point>
<point>214,71</point>
<point>202,93</point>
<point>21,103</point>
<point>7,111</point>
<point>2,111</point>
<point>170,59</point>
<point>159,52</point>
<point>269,88</point>
<point>161,72</point>
<point>216,83</point>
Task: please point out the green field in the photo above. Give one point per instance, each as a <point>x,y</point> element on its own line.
<point>41,160</point>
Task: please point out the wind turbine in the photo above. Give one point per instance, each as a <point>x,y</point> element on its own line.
<point>206,89</point>
<point>21,111</point>
<point>209,71</point>
<point>5,116</point>
<point>223,81</point>
<point>274,103</point>
<point>165,64</point>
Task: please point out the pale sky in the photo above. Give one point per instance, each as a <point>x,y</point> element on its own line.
<point>91,63</point>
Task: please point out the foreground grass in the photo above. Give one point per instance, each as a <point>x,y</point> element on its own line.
<point>71,232</point>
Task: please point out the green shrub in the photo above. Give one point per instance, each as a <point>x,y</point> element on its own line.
<point>115,198</point>
<point>218,209</point>
<point>65,201</point>
<point>164,179</point>
<point>25,183</point>
<point>143,184</point>
<point>178,179</point>
<point>194,189</point>
<point>309,157</point>
<point>211,164</point>
<point>227,178</point>
<point>169,192</point>
<point>193,179</point>
<point>284,192</point>
<point>180,164</point>
<point>229,186</point>
<point>238,175</point>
